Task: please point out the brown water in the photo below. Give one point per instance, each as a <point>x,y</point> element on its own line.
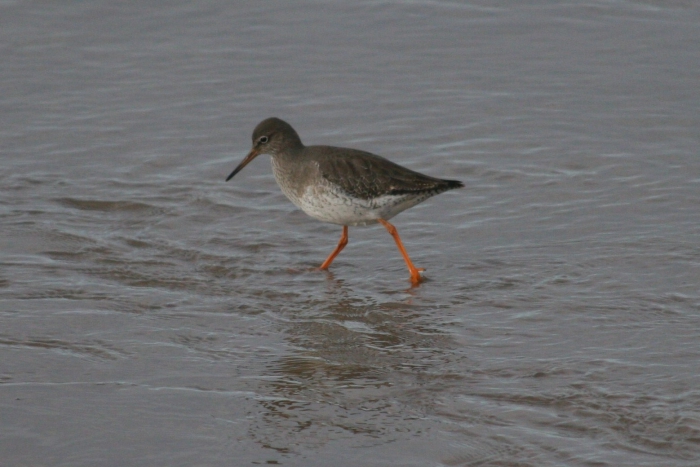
<point>152,314</point>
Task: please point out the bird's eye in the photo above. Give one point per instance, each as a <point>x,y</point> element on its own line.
<point>263,139</point>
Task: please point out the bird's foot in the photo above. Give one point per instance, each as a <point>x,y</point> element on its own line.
<point>416,277</point>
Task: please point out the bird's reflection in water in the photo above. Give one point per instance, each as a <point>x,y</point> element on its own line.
<point>358,362</point>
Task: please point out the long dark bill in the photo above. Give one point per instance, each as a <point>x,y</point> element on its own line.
<point>251,155</point>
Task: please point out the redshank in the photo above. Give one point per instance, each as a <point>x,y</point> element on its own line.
<point>341,185</point>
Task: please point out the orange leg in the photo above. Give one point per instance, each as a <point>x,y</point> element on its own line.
<point>415,272</point>
<point>341,244</point>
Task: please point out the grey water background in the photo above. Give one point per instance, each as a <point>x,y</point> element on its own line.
<point>152,314</point>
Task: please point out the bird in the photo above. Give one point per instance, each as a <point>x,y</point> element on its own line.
<point>343,186</point>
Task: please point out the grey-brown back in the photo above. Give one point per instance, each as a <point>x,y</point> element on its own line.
<point>365,175</point>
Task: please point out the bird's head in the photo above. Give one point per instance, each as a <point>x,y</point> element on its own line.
<point>272,136</point>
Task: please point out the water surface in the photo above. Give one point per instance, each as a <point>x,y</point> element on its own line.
<point>152,314</point>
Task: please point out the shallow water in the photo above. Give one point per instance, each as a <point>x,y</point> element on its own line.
<point>152,314</point>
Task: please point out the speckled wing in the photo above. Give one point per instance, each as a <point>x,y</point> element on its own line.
<point>365,175</point>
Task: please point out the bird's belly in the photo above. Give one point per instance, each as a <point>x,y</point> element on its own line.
<point>339,208</point>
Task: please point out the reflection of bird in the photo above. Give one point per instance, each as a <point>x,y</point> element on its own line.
<point>340,185</point>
